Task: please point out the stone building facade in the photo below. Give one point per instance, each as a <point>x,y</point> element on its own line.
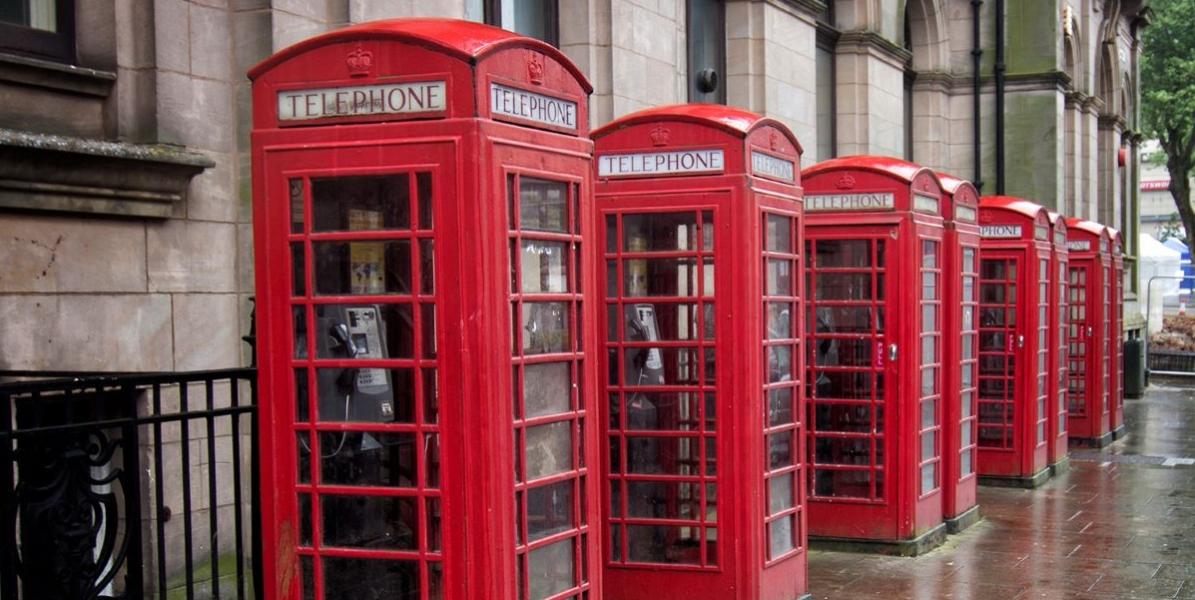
<point>125,235</point>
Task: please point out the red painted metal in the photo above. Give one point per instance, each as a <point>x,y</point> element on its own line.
<point>1089,295</point>
<point>703,317</point>
<point>1116,335</point>
<point>960,344</point>
<point>420,319</point>
<point>1014,338</point>
<point>874,234</point>
<point>1058,449</point>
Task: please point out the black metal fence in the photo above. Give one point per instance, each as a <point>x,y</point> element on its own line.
<point>128,485</point>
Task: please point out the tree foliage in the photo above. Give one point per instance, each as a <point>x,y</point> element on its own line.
<point>1168,96</point>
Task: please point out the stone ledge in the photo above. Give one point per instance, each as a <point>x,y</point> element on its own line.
<point>56,76</point>
<point>69,174</point>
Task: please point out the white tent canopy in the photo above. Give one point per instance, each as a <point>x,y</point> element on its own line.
<point>1156,259</point>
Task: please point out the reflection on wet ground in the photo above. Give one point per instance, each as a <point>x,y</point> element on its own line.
<point>1119,525</point>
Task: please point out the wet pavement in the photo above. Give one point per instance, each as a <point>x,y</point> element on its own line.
<point>1119,525</point>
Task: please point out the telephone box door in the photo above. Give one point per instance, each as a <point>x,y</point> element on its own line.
<point>1001,336</point>
<point>1081,352</point>
<point>360,483</point>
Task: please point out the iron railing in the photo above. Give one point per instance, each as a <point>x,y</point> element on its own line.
<point>129,486</point>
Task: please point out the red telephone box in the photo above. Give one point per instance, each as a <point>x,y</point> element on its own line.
<point>1014,341</point>
<point>960,344</point>
<point>1058,449</point>
<point>703,319</point>
<point>1116,336</point>
<point>874,242</point>
<point>1089,295</point>
<point>421,222</point>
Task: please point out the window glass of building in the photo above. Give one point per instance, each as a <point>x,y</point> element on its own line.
<point>44,28</point>
<point>706,34</point>
<point>533,18</point>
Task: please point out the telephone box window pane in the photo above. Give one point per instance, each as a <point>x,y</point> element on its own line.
<point>298,261</point>
<point>428,325</point>
<point>546,388</point>
<point>663,500</point>
<point>847,418</point>
<point>780,406</point>
<point>843,484</point>
<point>361,203</point>
<point>780,277</point>
<point>929,383</point>
<point>929,477</point>
<point>843,319</point>
<point>929,350</point>
<point>549,449</point>
<point>364,331</point>
<point>966,464</point>
<point>296,204</point>
<point>668,321</point>
<point>423,185</point>
<point>779,234</point>
<point>649,411</point>
<point>965,435</point>
<point>431,453</point>
<point>549,510</point>
<point>780,493</point>
<point>664,544</point>
<point>545,327</point>
<point>843,286</point>
<point>368,458</point>
<point>661,277</point>
<point>928,445</point>
<point>780,325</point>
<point>842,451</point>
<point>369,395</point>
<point>299,318</point>
<point>929,413</point>
<point>929,254</point>
<point>544,267</point>
<point>929,286</point>
<point>661,366</point>
<point>304,519</point>
<point>362,268</point>
<point>302,397</point>
<point>659,232</point>
<point>843,352</point>
<point>836,254</point>
<point>307,573</point>
<point>370,578</point>
<point>780,364</point>
<point>780,450</point>
<point>663,455</point>
<point>427,266</point>
<point>780,536</point>
<point>303,442</point>
<point>843,385</point>
<point>551,569</point>
<point>543,205</point>
<point>969,260</point>
<point>376,522</point>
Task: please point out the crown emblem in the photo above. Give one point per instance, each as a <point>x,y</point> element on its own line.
<point>845,182</point>
<point>659,136</point>
<point>774,140</point>
<point>535,67</point>
<point>359,61</point>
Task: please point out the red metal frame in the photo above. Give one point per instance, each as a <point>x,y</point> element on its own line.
<point>1058,448</point>
<point>1116,336</point>
<point>1089,413</point>
<point>705,492</point>
<point>874,234</point>
<point>960,339</point>
<point>1014,340</point>
<point>416,219</point>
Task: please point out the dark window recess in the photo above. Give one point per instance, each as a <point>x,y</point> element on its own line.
<point>705,27</point>
<point>539,19</point>
<point>40,28</point>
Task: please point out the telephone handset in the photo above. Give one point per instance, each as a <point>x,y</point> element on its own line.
<point>353,394</point>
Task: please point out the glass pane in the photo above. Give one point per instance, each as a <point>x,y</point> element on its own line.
<point>661,366</point>
<point>780,536</point>
<point>843,385</point>
<point>544,266</point>
<point>370,522</point>
<point>663,411</point>
<point>780,363</point>
<point>549,510</point>
<point>660,277</point>
<point>780,493</point>
<point>370,578</point>
<point>780,277</point>
<point>423,185</point>
<point>842,484</point>
<point>364,331</point>
<point>664,321</point>
<point>929,254</point>
<point>547,388</point>
<point>663,455</point>
<point>358,268</point>
<point>780,450</point>
<point>663,500</point>
<point>549,449</point>
<point>374,459</point>
<point>843,254</point>
<point>842,286</point>
<point>780,323</point>
<point>780,406</point>
<point>302,397</point>
<point>427,266</point>
<point>543,205</point>
<point>929,477</point>
<point>361,203</point>
<point>298,262</point>
<point>296,201</point>
<point>842,451</point>
<point>843,319</point>
<point>850,418</point>
<point>551,569</point>
<point>545,327</point>
<point>664,544</point>
<point>366,395</point>
<point>779,234</point>
<point>928,447</point>
<point>659,232</point>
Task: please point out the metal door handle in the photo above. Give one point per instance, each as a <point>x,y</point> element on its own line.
<point>1020,341</point>
<point>892,352</point>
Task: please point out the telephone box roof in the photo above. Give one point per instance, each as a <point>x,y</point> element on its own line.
<point>1091,227</point>
<point>950,183</point>
<point>465,40</point>
<point>1014,204</point>
<point>735,120</point>
<point>901,169</point>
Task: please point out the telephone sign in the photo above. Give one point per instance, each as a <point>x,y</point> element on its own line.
<point>397,166</point>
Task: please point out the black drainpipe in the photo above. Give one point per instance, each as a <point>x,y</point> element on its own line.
<point>1000,97</point>
<point>976,60</point>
